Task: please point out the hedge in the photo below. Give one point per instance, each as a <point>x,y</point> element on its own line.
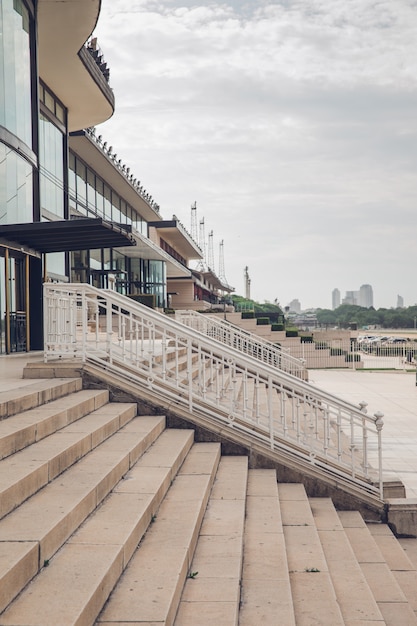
<point>277,326</point>
<point>337,351</point>
<point>291,333</point>
<point>262,321</point>
<point>248,315</point>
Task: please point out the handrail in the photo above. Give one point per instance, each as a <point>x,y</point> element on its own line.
<point>214,380</point>
<point>243,340</point>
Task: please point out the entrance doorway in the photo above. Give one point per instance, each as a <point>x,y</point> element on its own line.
<point>14,300</point>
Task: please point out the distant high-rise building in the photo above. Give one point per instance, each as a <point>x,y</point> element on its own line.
<point>335,298</point>
<point>295,306</point>
<point>400,302</point>
<point>366,296</point>
<point>351,297</point>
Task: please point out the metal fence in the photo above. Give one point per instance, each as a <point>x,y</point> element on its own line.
<point>389,353</point>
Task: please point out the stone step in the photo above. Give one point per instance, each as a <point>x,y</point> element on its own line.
<point>27,471</point>
<point>398,559</point>
<point>409,545</point>
<point>266,591</point>
<point>355,598</point>
<point>150,588</point>
<point>23,429</point>
<point>79,578</point>
<point>314,597</point>
<point>32,534</point>
<point>391,600</point>
<point>31,395</point>
<point>211,593</point>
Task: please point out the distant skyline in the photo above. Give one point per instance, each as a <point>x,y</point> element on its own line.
<point>292,124</point>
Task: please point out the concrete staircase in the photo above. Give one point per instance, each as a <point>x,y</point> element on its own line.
<point>110,518</point>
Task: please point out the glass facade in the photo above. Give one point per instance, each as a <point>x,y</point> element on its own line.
<point>15,70</point>
<point>36,134</point>
<point>132,275</point>
<point>90,196</point>
<point>16,187</point>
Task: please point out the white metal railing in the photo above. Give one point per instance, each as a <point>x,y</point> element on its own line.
<point>215,381</point>
<point>352,354</point>
<point>244,341</point>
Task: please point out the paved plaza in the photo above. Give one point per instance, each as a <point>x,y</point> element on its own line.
<point>395,395</point>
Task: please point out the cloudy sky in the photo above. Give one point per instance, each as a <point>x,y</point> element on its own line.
<point>291,123</point>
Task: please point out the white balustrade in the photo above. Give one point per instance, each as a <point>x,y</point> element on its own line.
<point>214,378</point>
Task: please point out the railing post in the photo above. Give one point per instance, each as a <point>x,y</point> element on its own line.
<point>189,369</point>
<point>379,422</point>
<point>45,322</point>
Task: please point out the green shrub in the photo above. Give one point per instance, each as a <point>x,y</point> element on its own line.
<point>169,311</point>
<point>291,332</point>
<point>248,315</point>
<point>337,351</point>
<point>277,327</point>
<point>262,321</point>
<point>307,339</point>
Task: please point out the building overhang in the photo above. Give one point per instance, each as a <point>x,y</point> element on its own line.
<point>66,66</point>
<point>210,279</point>
<point>93,155</point>
<point>66,235</point>
<point>173,232</point>
<point>147,249</point>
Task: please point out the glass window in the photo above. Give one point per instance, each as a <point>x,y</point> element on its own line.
<point>95,259</point>
<point>106,259</point>
<point>79,266</point>
<point>91,192</point>
<point>139,223</point>
<point>55,264</point>
<point>16,188</point>
<point>99,197</point>
<point>116,217</point>
<point>71,174</point>
<point>15,70</point>
<point>60,112</point>
<point>81,180</point>
<point>52,104</point>
<point>49,101</point>
<point>107,203</point>
<point>51,166</point>
<point>123,213</point>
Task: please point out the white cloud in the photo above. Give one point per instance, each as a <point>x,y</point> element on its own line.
<point>292,124</point>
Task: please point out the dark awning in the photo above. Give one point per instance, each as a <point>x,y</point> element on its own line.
<point>75,234</point>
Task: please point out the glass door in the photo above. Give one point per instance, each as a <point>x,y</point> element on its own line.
<point>14,332</point>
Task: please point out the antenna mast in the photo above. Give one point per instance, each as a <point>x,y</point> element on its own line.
<point>222,274</point>
<point>202,265</point>
<point>247,283</point>
<point>194,233</point>
<point>210,252</point>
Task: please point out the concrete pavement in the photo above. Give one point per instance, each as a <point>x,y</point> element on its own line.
<point>395,395</point>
